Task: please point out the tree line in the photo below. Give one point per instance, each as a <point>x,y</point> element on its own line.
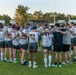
<point>22,16</point>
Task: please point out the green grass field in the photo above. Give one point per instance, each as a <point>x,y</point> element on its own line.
<point>7,68</point>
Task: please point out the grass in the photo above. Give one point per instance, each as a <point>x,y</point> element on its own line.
<point>7,68</point>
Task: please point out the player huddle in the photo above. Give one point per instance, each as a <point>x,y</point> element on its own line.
<point>55,39</point>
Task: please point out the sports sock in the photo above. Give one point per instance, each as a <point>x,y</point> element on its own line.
<point>10,59</point>
<point>14,59</point>
<point>74,57</point>
<point>30,63</point>
<point>5,58</point>
<point>34,63</point>
<point>49,58</point>
<point>22,62</point>
<point>45,61</point>
<point>1,56</point>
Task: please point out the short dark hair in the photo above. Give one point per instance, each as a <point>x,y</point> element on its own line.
<point>57,24</point>
<point>67,24</point>
<point>0,23</point>
<point>52,26</point>
<point>34,27</point>
<point>1,26</point>
<point>28,24</point>
<point>72,23</point>
<point>18,27</point>
<point>23,26</point>
<point>13,26</point>
<point>46,25</point>
<point>10,24</point>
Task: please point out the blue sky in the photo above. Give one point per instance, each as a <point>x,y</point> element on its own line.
<point>62,6</point>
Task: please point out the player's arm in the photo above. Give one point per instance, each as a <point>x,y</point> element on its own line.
<point>14,37</point>
<point>29,36</point>
<point>35,30</point>
<point>72,31</point>
<point>48,32</point>
<point>42,33</point>
<point>62,32</point>
<point>22,37</point>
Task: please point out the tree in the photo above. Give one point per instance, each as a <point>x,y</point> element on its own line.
<point>21,14</point>
<point>37,15</point>
<point>6,18</point>
<point>48,16</point>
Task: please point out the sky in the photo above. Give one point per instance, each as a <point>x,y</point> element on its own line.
<point>60,6</point>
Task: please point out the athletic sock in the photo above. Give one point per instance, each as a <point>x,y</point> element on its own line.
<point>34,63</point>
<point>30,62</point>
<point>22,62</point>
<point>74,57</point>
<point>5,58</point>
<point>14,59</point>
<point>1,56</point>
<point>10,59</point>
<point>49,58</point>
<point>45,61</point>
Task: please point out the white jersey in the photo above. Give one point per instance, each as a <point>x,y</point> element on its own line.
<point>74,30</point>
<point>16,40</point>
<point>35,35</point>
<point>23,41</point>
<point>5,28</point>
<point>29,29</point>
<point>47,40</point>
<point>39,29</point>
<point>25,30</point>
<point>9,31</point>
<point>1,35</point>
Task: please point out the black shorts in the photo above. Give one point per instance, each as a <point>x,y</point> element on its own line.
<point>8,44</point>
<point>48,48</point>
<point>39,38</point>
<point>2,45</point>
<point>66,48</point>
<point>16,47</point>
<point>58,48</point>
<point>33,47</point>
<point>24,46</point>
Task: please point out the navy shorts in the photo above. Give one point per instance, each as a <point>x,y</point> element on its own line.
<point>58,48</point>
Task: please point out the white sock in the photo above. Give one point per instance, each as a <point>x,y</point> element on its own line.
<point>49,58</point>
<point>14,59</point>
<point>30,63</point>
<point>10,59</point>
<point>22,62</point>
<point>34,63</point>
<point>1,56</point>
<point>45,61</point>
<point>5,58</point>
<point>52,47</point>
<point>74,57</point>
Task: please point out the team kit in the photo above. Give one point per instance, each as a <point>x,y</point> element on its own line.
<point>56,39</point>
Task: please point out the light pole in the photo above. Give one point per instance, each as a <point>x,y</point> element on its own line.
<point>69,10</point>
<point>54,11</point>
